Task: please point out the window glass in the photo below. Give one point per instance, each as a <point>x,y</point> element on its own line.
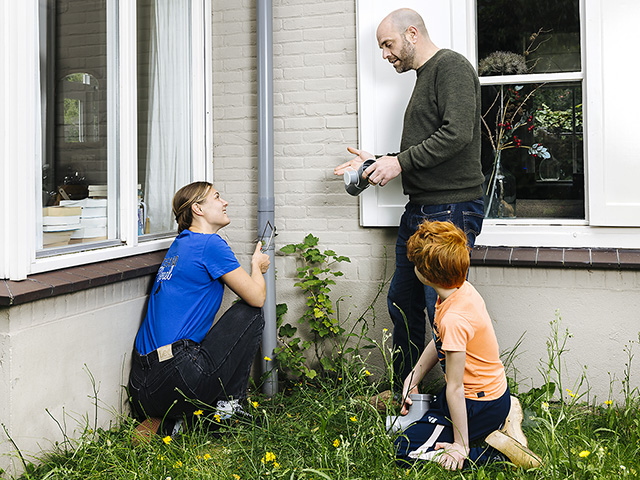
<point>75,170</point>
<point>545,34</point>
<point>165,148</point>
<point>532,151</point>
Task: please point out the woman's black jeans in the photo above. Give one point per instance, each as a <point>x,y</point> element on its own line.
<point>218,368</point>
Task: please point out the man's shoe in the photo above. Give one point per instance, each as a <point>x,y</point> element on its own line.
<point>382,401</point>
<point>513,423</point>
<point>519,455</point>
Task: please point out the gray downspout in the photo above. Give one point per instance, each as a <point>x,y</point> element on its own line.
<point>266,203</point>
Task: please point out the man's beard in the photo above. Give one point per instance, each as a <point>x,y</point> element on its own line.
<point>406,58</point>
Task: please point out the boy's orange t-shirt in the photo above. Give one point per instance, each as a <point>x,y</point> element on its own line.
<point>462,324</point>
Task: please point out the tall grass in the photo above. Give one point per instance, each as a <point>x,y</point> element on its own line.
<point>326,429</point>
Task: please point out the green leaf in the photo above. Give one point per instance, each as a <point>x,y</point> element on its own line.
<point>287,330</point>
<point>288,249</point>
<point>310,240</point>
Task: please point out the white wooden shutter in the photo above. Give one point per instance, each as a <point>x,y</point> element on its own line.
<point>612,121</point>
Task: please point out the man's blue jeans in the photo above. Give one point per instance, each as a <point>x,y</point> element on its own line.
<point>407,296</point>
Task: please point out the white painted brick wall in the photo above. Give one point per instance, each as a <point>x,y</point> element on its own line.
<point>315,106</point>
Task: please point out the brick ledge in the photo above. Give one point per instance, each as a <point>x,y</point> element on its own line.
<point>75,279</point>
<point>546,257</point>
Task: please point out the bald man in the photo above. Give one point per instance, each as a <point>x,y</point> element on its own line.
<point>439,163</point>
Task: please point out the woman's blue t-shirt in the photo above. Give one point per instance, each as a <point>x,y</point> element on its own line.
<point>187,292</point>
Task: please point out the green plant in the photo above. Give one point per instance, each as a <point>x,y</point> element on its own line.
<point>315,279</point>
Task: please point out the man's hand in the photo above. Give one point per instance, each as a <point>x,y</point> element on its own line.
<point>453,455</point>
<point>354,163</point>
<point>383,171</point>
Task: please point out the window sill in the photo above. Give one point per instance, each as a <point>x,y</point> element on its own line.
<point>75,279</point>
<point>547,257</point>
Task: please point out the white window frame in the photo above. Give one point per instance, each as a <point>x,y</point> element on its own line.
<point>21,148</point>
<point>612,164</point>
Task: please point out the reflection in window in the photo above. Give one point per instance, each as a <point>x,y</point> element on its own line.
<point>75,166</point>
<point>79,93</point>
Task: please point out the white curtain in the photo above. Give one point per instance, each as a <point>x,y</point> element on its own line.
<point>169,151</point>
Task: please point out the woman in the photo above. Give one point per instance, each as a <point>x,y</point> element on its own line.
<point>181,363</point>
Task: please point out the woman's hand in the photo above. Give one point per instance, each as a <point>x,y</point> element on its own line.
<point>260,261</point>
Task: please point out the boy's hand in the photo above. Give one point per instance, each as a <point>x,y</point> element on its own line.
<point>453,455</point>
<point>406,391</point>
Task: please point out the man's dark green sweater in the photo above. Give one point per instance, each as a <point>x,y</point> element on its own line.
<point>440,148</point>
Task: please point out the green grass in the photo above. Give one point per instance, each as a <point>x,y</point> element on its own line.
<point>324,430</point>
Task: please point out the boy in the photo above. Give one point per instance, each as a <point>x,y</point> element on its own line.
<point>475,403</point>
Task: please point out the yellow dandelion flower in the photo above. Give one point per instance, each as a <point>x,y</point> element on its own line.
<point>268,457</point>
<point>197,413</point>
<point>608,402</point>
<point>198,457</point>
<point>353,419</point>
<point>571,394</point>
<point>289,415</point>
<point>339,379</point>
<point>167,440</point>
<point>367,372</point>
<point>236,476</point>
<point>336,443</point>
<point>276,465</point>
<point>584,454</point>
<point>217,418</point>
<point>255,404</point>
<point>267,359</point>
<point>207,456</point>
<point>385,330</point>
<point>178,464</point>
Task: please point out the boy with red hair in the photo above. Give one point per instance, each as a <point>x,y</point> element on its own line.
<point>475,404</point>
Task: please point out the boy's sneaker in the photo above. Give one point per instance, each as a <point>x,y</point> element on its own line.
<point>517,453</point>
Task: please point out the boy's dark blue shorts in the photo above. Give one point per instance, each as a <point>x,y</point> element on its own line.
<point>418,441</point>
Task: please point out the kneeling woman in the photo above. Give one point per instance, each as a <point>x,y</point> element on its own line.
<point>181,360</point>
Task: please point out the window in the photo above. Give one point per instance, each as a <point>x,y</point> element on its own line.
<point>89,78</point>
<point>530,71</point>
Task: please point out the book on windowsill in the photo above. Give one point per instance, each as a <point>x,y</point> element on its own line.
<point>89,232</point>
<point>56,239</point>
<point>98,191</point>
<point>61,211</point>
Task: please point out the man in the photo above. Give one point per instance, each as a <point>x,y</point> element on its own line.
<point>439,163</point>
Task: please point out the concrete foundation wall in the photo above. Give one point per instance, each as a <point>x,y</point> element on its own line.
<point>49,352</point>
<point>599,308</point>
